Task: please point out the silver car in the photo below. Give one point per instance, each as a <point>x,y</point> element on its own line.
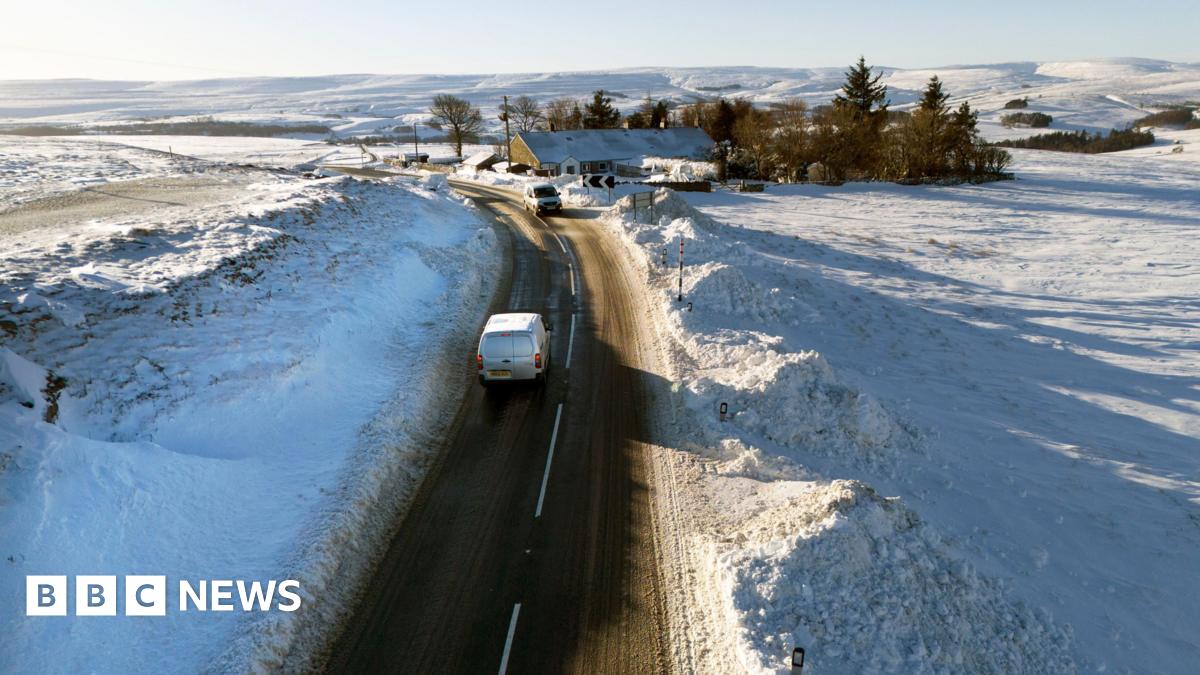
<point>542,198</point>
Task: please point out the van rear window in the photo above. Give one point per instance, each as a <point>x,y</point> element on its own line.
<point>497,347</point>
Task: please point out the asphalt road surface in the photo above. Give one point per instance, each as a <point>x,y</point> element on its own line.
<point>529,547</point>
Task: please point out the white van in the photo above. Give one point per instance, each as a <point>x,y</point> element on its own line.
<point>513,347</point>
<point>542,197</point>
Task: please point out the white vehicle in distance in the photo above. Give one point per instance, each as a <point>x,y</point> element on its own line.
<point>513,347</point>
<point>542,197</point>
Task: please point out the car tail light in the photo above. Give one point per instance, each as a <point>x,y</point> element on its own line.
<point>479,362</point>
<point>537,360</point>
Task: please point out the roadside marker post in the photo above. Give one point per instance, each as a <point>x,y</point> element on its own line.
<point>797,660</point>
<point>680,299</point>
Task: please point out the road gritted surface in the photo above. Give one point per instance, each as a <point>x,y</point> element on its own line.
<point>473,545</point>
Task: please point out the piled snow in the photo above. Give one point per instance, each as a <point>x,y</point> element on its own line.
<point>222,390</point>
<point>790,402</point>
<point>680,170</point>
<point>868,587</point>
<point>800,560</point>
<point>1040,335</point>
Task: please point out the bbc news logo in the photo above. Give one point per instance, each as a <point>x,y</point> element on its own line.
<point>146,595</point>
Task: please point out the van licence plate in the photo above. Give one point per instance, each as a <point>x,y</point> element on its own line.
<point>499,373</point>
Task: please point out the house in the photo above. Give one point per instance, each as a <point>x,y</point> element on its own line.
<point>480,161</point>
<point>579,151</point>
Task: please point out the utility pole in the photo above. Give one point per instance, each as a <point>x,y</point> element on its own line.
<point>416,148</point>
<point>507,136</point>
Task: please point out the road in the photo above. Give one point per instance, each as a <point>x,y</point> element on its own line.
<point>529,547</point>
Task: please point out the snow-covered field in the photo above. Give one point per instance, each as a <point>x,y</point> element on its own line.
<point>216,389</point>
<point>32,168</point>
<point>1094,95</point>
<point>964,429</point>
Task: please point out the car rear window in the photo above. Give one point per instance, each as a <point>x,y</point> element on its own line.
<point>497,347</point>
<point>522,345</point>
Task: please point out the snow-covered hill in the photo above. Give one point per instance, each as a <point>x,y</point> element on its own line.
<point>1096,94</point>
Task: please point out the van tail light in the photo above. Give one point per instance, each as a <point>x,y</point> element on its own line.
<point>479,362</point>
<point>537,360</point>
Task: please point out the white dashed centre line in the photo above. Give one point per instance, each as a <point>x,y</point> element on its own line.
<point>512,629</point>
<point>571,269</point>
<point>571,341</point>
<point>549,459</point>
<point>560,244</point>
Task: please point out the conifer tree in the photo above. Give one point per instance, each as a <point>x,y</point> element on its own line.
<point>963,134</point>
<point>930,137</point>
<point>933,99</point>
<point>600,114</point>
<point>862,111</point>
<point>658,118</point>
<point>862,92</point>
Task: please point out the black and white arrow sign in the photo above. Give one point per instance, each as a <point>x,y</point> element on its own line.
<point>599,180</point>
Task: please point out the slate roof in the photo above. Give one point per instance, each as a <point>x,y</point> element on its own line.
<point>587,145</point>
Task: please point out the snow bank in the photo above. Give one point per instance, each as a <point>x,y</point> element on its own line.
<point>257,415</point>
<point>682,170</point>
<point>865,586</point>
<point>1039,334</point>
<point>790,402</point>
<point>799,560</point>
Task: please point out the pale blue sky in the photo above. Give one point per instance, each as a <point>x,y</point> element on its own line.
<point>157,39</point>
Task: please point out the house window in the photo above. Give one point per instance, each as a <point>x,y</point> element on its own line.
<point>571,170</point>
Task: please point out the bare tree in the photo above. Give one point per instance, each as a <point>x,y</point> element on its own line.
<point>791,139</point>
<point>526,113</point>
<point>462,120</point>
<point>755,133</point>
<point>561,113</point>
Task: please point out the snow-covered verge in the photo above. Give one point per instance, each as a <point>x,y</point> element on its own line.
<point>770,547</point>
<point>1038,335</point>
<point>222,391</point>
<point>33,168</point>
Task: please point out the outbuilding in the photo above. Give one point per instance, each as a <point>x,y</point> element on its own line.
<point>480,161</point>
<point>580,151</point>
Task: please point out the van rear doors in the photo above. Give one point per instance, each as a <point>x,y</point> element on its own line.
<point>523,348</point>
<point>497,352</point>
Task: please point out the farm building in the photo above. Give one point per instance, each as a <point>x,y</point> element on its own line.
<point>579,151</point>
<point>480,161</point>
